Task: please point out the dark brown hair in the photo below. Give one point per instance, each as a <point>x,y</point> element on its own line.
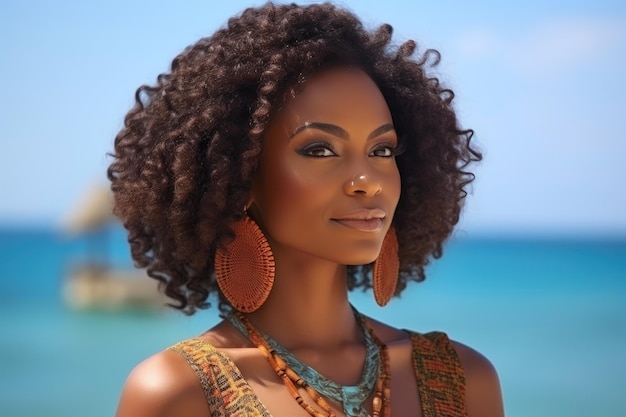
<point>184,161</point>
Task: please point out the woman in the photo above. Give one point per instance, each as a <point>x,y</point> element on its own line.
<point>285,160</point>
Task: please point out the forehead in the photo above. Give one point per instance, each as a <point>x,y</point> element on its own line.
<point>339,96</point>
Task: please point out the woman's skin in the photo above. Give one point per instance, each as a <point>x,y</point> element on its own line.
<point>325,194</point>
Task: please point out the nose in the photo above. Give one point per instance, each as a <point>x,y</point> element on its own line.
<point>365,184</point>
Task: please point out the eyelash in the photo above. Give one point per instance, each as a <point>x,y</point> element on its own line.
<point>324,146</point>
<point>392,150</point>
<point>308,150</point>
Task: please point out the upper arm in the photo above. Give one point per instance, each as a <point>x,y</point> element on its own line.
<point>483,395</point>
<point>164,385</point>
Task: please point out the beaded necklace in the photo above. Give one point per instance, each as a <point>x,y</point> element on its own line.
<point>293,371</point>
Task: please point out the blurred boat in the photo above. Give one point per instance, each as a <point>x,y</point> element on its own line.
<point>92,287</point>
<point>95,283</point>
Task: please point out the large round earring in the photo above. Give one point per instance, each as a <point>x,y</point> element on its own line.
<point>245,267</point>
<point>386,268</point>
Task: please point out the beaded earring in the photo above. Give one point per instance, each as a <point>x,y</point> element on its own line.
<point>245,267</point>
<point>385,270</point>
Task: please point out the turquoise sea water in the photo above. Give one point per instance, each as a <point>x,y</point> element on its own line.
<point>550,314</point>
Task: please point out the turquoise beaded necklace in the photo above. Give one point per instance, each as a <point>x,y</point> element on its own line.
<point>351,396</point>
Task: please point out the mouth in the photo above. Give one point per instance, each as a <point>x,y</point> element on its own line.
<point>365,220</point>
<point>363,225</point>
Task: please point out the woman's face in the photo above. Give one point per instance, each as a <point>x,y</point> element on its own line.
<point>327,184</point>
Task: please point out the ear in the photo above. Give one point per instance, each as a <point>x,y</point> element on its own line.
<point>251,209</point>
<point>248,203</point>
<point>255,188</point>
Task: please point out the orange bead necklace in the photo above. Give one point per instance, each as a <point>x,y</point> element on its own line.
<point>381,403</point>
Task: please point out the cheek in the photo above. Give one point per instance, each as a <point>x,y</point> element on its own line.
<point>287,195</point>
<point>397,185</point>
<point>392,186</point>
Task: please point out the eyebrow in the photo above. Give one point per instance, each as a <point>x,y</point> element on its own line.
<point>338,131</point>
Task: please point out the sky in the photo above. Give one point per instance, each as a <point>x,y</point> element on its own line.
<point>541,83</point>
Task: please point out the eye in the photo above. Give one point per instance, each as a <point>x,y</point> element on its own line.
<point>384,151</point>
<point>318,150</point>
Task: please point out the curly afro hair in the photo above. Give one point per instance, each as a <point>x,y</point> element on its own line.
<point>185,159</point>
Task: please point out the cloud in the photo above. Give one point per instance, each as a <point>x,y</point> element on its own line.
<point>549,49</point>
<point>568,44</point>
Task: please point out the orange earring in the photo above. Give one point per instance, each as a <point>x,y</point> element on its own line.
<point>386,267</point>
<point>245,267</point>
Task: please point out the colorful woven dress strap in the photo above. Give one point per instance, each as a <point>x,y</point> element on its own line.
<point>440,377</point>
<point>227,392</point>
<point>438,371</point>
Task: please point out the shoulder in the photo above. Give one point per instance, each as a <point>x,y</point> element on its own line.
<point>482,393</point>
<point>483,396</point>
<point>163,385</point>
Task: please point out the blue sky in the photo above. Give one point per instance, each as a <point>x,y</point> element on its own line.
<point>541,83</point>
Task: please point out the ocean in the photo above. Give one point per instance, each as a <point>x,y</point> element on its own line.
<point>549,313</point>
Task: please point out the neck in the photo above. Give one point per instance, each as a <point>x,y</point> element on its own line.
<point>308,306</point>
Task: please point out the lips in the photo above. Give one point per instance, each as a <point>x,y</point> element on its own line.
<point>371,225</point>
<point>365,220</point>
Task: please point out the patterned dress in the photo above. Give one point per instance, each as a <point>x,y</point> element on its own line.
<point>438,372</point>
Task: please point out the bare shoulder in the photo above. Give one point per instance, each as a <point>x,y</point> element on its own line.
<point>388,334</point>
<point>483,393</point>
<point>163,385</point>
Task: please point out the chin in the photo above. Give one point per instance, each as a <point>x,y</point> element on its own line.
<point>361,260</point>
<point>362,252</point>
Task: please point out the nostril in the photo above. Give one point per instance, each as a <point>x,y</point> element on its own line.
<point>362,185</point>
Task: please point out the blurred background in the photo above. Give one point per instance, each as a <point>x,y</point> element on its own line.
<point>534,277</point>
